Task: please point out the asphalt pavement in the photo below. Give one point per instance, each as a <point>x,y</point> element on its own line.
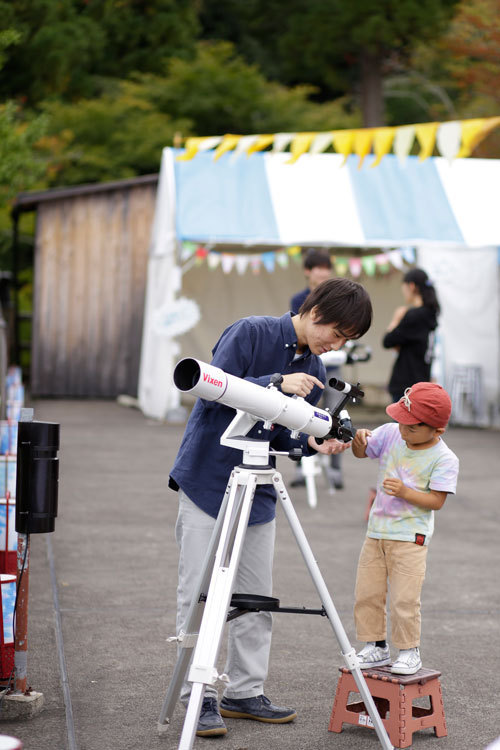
<point>102,596</point>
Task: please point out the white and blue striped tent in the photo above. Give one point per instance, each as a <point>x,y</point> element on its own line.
<point>263,200</point>
<point>442,209</point>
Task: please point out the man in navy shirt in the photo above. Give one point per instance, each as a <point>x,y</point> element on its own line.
<point>254,348</point>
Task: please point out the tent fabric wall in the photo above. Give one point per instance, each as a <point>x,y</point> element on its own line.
<point>263,201</point>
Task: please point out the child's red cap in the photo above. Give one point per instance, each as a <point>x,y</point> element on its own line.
<point>423,402</point>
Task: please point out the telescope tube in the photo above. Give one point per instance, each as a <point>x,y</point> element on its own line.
<point>266,404</point>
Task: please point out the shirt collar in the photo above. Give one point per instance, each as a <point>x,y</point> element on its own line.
<point>290,337</point>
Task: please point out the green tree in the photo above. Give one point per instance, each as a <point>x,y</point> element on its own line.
<point>122,133</point>
<point>341,47</point>
<point>67,49</point>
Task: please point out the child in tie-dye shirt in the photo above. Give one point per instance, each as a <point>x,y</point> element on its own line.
<point>416,472</point>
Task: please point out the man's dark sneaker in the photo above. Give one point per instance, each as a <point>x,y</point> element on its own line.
<point>259,708</point>
<point>210,723</point>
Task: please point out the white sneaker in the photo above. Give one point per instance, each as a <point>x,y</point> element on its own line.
<point>408,661</point>
<point>373,656</point>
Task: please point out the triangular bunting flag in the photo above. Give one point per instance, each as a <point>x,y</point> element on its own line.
<point>408,254</point>
<point>382,142</point>
<point>426,136</point>
<point>268,261</point>
<point>343,141</point>
<point>261,142</point>
<point>448,138</point>
<point>228,143</point>
<point>282,258</point>
<point>341,266</point>
<point>320,143</point>
<point>187,250</point>
<point>355,266</point>
<point>281,141</point>
<point>369,265</point>
<point>396,259</point>
<point>255,263</point>
<point>242,263</point>
<point>213,260</point>
<point>300,145</point>
<point>245,142</point>
<point>227,262</point>
<point>362,144</point>
<point>403,141</point>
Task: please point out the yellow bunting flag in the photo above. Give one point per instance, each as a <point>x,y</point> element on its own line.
<point>343,141</point>
<point>473,132</point>
<point>426,136</point>
<point>382,142</point>
<point>362,144</point>
<point>192,146</point>
<point>228,143</point>
<point>262,142</point>
<point>300,145</point>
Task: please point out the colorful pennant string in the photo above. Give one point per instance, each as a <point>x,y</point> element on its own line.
<point>196,254</point>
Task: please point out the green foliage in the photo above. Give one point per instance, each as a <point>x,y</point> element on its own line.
<point>20,165</point>
<point>66,47</point>
<point>122,133</point>
<point>321,42</point>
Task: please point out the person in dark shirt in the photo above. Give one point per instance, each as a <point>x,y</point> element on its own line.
<point>317,268</point>
<point>254,348</point>
<point>411,333</point>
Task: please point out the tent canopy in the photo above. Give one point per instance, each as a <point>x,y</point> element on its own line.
<point>448,211</point>
<point>262,200</point>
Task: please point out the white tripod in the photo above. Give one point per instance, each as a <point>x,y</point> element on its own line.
<point>209,607</point>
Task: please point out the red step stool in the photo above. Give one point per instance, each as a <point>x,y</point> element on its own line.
<point>393,695</point>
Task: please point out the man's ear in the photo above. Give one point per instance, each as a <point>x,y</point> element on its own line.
<point>313,313</point>
<point>440,430</point>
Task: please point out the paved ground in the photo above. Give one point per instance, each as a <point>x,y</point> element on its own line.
<point>114,563</point>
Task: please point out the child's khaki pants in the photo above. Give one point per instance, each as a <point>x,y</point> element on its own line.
<point>402,566</point>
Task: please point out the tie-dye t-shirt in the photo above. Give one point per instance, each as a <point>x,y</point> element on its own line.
<point>434,468</point>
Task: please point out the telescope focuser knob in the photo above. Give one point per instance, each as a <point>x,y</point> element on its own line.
<point>295,454</point>
<point>276,380</point>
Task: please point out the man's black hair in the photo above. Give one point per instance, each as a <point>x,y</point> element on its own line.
<point>314,258</point>
<point>343,302</point>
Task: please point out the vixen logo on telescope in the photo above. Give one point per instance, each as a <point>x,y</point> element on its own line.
<point>208,379</point>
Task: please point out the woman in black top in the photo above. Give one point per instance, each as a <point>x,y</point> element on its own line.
<point>411,333</point>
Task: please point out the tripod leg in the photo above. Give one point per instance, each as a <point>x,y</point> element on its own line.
<point>310,470</point>
<point>187,640</point>
<point>348,652</point>
<point>203,669</point>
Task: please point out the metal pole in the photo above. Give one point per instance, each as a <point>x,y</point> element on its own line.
<point>21,629</point>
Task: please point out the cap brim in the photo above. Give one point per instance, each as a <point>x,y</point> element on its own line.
<point>401,414</point>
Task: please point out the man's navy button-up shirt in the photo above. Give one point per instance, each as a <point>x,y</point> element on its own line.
<point>253,348</point>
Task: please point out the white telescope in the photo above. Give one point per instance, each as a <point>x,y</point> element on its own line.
<point>266,404</point>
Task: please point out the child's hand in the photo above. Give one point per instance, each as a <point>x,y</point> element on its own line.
<point>394,486</point>
<point>361,438</point>
<point>360,442</point>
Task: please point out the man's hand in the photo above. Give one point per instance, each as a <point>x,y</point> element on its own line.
<point>328,447</point>
<point>394,486</point>
<point>360,442</point>
<point>299,383</point>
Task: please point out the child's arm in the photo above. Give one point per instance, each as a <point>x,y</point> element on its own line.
<point>360,442</point>
<point>433,500</point>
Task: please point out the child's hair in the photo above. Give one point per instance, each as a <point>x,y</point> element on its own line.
<point>314,258</point>
<point>343,302</point>
<point>425,288</point>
